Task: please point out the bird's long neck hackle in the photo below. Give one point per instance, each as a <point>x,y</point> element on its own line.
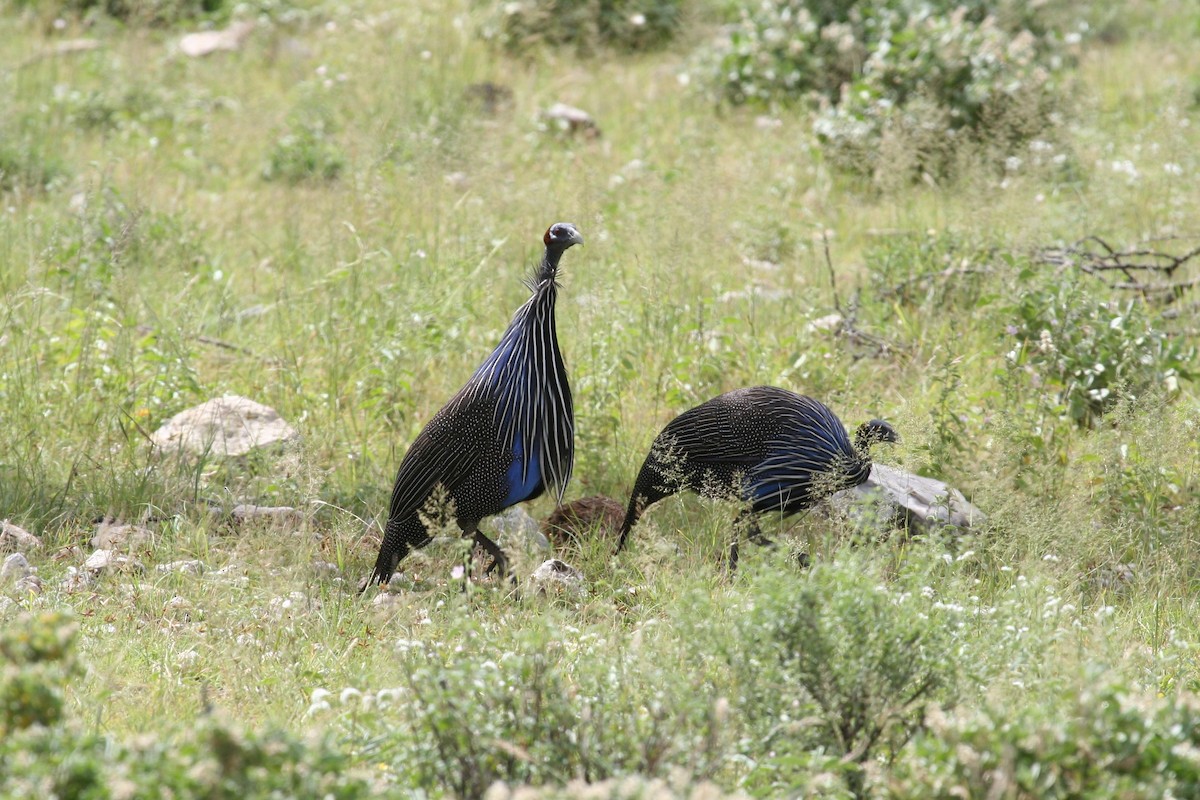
<point>547,270</point>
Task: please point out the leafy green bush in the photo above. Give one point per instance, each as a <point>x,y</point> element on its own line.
<point>307,152</point>
<point>944,90</point>
<point>39,659</point>
<point>1083,353</point>
<point>524,716</point>
<point>1110,743</point>
<point>136,12</point>
<point>929,272</point>
<point>934,82</point>
<point>24,164</point>
<point>630,788</point>
<point>584,24</point>
<point>833,667</point>
<point>44,755</point>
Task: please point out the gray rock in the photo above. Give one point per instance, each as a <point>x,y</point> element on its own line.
<point>14,539</point>
<point>186,567</point>
<point>894,498</point>
<point>225,426</point>
<point>325,570</point>
<point>388,601</point>
<point>569,120</point>
<point>112,535</point>
<point>829,322</point>
<point>177,607</point>
<point>203,43</point>
<point>77,580</point>
<point>558,578</point>
<point>30,584</point>
<point>233,574</point>
<point>1115,578</point>
<point>103,561</point>
<point>279,515</point>
<point>514,525</point>
<point>293,605</point>
<point>15,567</point>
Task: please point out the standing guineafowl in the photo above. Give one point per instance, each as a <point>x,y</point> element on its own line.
<point>506,437</point>
<point>772,449</point>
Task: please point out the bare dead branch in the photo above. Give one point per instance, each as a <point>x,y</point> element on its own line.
<point>1092,255</point>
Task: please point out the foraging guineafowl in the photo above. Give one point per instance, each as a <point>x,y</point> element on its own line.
<point>773,449</point>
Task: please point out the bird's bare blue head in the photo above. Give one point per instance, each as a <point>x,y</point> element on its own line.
<point>873,432</point>
<point>558,238</point>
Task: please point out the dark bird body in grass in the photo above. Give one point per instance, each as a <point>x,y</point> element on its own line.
<point>506,437</point>
<point>774,450</point>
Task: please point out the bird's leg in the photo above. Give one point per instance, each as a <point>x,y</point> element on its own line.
<point>739,523</point>
<point>499,560</point>
<point>753,531</point>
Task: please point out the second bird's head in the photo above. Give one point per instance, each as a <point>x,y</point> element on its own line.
<point>874,432</point>
<point>561,235</point>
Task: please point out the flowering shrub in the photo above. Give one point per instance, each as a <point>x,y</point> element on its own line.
<point>585,24</point>
<point>929,77</point>
<point>308,151</point>
<point>835,668</point>
<point>1111,743</point>
<point>471,718</point>
<point>42,754</point>
<point>1087,353</point>
<point>149,12</point>
<point>943,89</point>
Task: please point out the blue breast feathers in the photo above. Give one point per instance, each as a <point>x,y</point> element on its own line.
<point>523,482</point>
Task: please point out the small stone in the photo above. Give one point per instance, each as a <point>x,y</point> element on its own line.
<point>515,525</point>
<point>187,658</point>
<point>30,584</point>
<point>280,607</point>
<point>557,577</point>
<point>387,600</point>
<point>103,561</point>
<point>112,535</point>
<point>571,121</point>
<point>277,515</point>
<point>203,43</point>
<point>14,539</point>
<point>829,322</point>
<point>77,580</point>
<point>185,567</point>
<point>15,567</point>
<point>225,426</point>
<point>177,609</point>
<point>1115,578</point>
<point>325,569</point>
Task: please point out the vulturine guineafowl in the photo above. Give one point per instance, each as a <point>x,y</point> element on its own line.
<point>507,436</point>
<point>770,448</point>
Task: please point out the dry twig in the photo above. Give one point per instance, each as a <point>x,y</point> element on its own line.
<point>1149,272</point>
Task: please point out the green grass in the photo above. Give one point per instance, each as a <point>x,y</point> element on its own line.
<point>140,227</point>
